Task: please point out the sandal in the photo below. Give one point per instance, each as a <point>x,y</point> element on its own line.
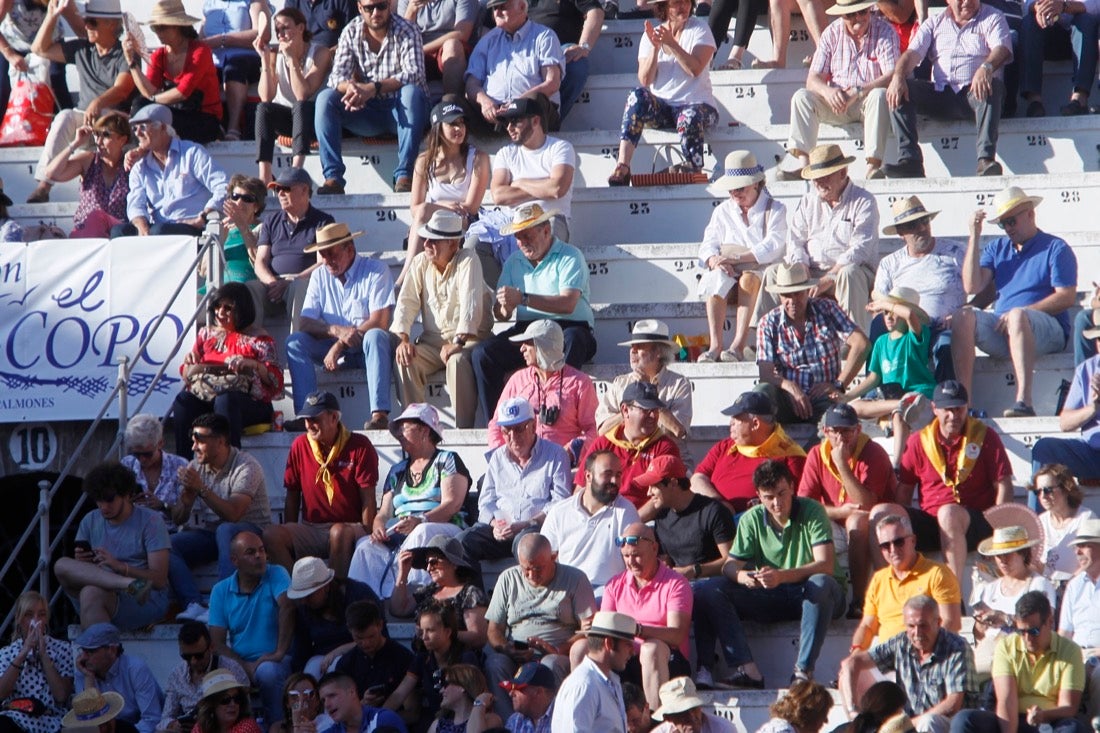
<point>707,357</point>
<point>731,65</point>
<point>729,355</point>
<point>621,176</point>
<point>1075,107</point>
<point>232,136</point>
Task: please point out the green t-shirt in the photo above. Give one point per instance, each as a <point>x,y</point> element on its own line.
<point>904,361</point>
<point>758,543</point>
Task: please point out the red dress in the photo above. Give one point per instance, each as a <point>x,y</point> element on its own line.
<point>198,75</point>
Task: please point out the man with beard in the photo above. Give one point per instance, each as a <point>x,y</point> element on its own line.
<point>582,529</point>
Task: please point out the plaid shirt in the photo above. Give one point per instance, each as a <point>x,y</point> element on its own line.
<point>401,57</point>
<point>956,52</point>
<point>845,65</point>
<point>950,670</point>
<point>812,357</point>
<point>520,723</point>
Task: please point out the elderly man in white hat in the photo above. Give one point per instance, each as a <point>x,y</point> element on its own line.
<point>746,231</point>
<point>929,265</point>
<point>1035,275</point>
<point>591,698</point>
<point>1079,620</point>
<point>344,321</point>
<point>805,374</point>
<point>445,287</point>
<point>847,82</point>
<point>651,352</point>
<point>833,230</point>
<point>682,710</point>
<point>105,82</point>
<point>546,278</point>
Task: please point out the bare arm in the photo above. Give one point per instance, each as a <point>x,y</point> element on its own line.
<point>292,505</point>
<point>509,192</point>
<point>1058,301</point>
<point>865,632</point>
<point>974,276</point>
<point>43,44</point>
<point>550,84</point>
<point>952,616</point>
<point>1004,490</point>
<point>1008,705</point>
<point>674,633</point>
<point>857,351</point>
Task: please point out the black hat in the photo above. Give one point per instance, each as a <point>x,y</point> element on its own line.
<point>447,112</point>
<point>644,395</point>
<point>950,394</point>
<point>520,108</point>
<point>752,403</point>
<point>841,415</point>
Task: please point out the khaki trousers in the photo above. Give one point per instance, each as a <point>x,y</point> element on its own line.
<point>413,379</point>
<point>808,111</point>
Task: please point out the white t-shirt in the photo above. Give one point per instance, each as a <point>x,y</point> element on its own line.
<point>672,83</point>
<point>1059,559</point>
<point>588,542</point>
<point>991,594</point>
<point>937,276</point>
<point>537,163</point>
<point>284,95</point>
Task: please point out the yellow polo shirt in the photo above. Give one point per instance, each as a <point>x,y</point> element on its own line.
<point>1039,681</point>
<point>886,594</point>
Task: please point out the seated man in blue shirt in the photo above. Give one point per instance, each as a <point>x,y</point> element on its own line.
<point>174,185</point>
<point>344,322</point>
<point>1036,278</point>
<point>101,665</point>
<point>342,703</point>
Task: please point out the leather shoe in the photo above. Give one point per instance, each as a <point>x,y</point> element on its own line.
<point>743,681</point>
<point>331,187</point>
<point>989,167</point>
<point>403,184</point>
<point>378,421</point>
<point>908,168</point>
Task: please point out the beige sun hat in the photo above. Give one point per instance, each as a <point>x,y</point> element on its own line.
<point>613,624</point>
<point>527,216</point>
<point>1006,540</point>
<point>845,7</point>
<point>826,159</point>
<point>740,170</point>
<point>91,708</point>
<point>1087,533</point>
<point>331,235</point>
<point>1094,332</point>
<point>170,12</point>
<point>906,210</point>
<point>649,331</point>
<point>1009,199</point>
<point>309,574</point>
<point>791,279</point>
<point>218,680</point>
<point>678,695</point>
<point>903,296</point>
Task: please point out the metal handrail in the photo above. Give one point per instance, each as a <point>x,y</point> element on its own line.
<point>215,270</point>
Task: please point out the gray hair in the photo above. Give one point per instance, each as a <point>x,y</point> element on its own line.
<point>144,430</point>
<point>532,545</point>
<point>922,604</point>
<point>902,520</point>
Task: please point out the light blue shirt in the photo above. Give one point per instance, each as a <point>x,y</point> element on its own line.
<point>589,701</point>
<point>373,719</point>
<point>367,287</point>
<point>141,695</point>
<point>252,619</point>
<point>563,268</point>
<point>509,65</point>
<point>227,16</point>
<point>1080,394</point>
<point>189,182</point>
<point>517,494</point>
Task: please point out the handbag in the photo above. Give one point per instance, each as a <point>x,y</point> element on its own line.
<point>31,706</point>
<point>214,380</point>
<point>29,114</point>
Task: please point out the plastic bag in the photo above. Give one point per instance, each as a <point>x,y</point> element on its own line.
<point>29,114</point>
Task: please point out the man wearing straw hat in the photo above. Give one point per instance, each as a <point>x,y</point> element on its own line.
<point>833,231</point>
<point>747,230</point>
<point>344,320</point>
<point>847,82</point>
<point>591,698</point>
<point>445,288</point>
<point>929,265</point>
<point>1035,274</point>
<point>105,81</point>
<point>1079,620</point>
<point>92,709</point>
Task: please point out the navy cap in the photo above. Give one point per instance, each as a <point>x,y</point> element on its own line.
<point>317,403</point>
<point>950,394</point>
<point>531,674</point>
<point>644,395</point>
<point>520,108</point>
<point>98,635</point>
<point>841,415</point>
<point>752,403</point>
<point>291,176</point>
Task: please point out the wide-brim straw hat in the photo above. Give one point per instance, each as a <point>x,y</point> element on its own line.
<point>331,235</point>
<point>309,575</point>
<point>826,159</point>
<point>1009,199</point>
<point>1006,540</point>
<point>218,680</point>
<point>740,170</point>
<point>1015,515</point>
<point>904,296</point>
<point>906,210</point>
<point>527,216</point>
<point>678,695</point>
<point>170,12</point>
<point>1093,333</point>
<point>92,708</point>
<point>791,279</point>
<point>846,7</point>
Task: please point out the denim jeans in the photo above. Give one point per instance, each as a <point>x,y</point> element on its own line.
<point>720,604</point>
<point>947,104</point>
<point>1083,30</point>
<point>303,351</point>
<point>1083,348</point>
<point>984,721</point>
<point>405,115</point>
<point>270,679</point>
<point>192,547</point>
<point>572,84</point>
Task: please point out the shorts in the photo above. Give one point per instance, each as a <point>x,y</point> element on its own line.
<point>927,529</point>
<point>678,666</point>
<point>310,539</point>
<point>1049,336</point>
<point>243,68</point>
<point>433,62</point>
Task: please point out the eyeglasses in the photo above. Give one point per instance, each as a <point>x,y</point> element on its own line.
<point>142,453</point>
<point>246,197</point>
<point>188,656</point>
<point>1006,221</point>
<point>231,700</point>
<point>631,540</point>
<point>300,693</point>
<point>374,7</point>
<point>200,437</point>
<point>897,542</point>
<point>1044,490</point>
<point>1032,631</point>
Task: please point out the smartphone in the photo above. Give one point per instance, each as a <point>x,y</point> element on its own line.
<point>83,545</point>
<point>521,646</point>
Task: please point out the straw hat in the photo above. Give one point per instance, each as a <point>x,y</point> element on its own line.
<point>1004,541</point>
<point>92,708</point>
<point>1087,533</point>
<point>527,216</point>
<point>1012,514</point>
<point>740,170</point>
<point>825,159</point>
<point>218,680</point>
<point>1010,198</point>
<point>309,574</point>
<point>649,331</point>
<point>331,235</point>
<point>678,695</point>
<point>612,624</point>
<point>170,12</point>
<point>791,279</point>
<point>906,210</point>
<point>904,296</point>
<point>845,7</point>
<point>1093,333</point>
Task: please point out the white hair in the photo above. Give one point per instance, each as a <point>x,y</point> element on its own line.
<point>144,430</point>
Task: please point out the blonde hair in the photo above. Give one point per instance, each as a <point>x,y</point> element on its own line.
<point>24,603</point>
<point>806,706</point>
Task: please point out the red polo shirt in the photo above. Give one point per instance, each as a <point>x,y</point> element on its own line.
<point>356,467</point>
<point>873,469</point>
<point>731,472</point>
<point>977,492</point>
<point>635,460</point>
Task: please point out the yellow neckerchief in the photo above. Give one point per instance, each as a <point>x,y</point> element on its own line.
<point>613,436</point>
<point>827,460</point>
<point>778,445</point>
<point>324,475</point>
<point>972,437</point>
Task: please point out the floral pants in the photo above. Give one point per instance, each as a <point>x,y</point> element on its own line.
<point>644,109</point>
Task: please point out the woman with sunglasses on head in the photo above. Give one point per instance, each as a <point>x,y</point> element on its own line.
<point>1058,493</point>
<point>35,666</point>
<point>225,707</point>
<point>301,705</point>
<point>103,182</point>
<point>156,471</point>
<point>291,73</point>
<point>245,200</point>
<point>450,174</point>
<point>466,703</point>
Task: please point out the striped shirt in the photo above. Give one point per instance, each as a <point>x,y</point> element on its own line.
<point>400,57</point>
<point>949,670</point>
<point>958,52</point>
<point>844,64</point>
<point>812,357</point>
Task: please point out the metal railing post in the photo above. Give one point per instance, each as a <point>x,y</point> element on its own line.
<point>123,399</point>
<point>44,538</point>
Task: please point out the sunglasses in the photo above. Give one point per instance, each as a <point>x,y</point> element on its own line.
<point>897,542</point>
<point>188,656</point>
<point>1033,631</point>
<point>374,7</point>
<point>142,453</point>
<point>431,561</point>
<point>1006,222</point>
<point>1044,490</point>
<point>201,437</point>
<point>300,693</point>
<point>281,189</point>
<point>631,539</point>
<point>246,197</point>
<point>91,22</point>
<point>231,700</point>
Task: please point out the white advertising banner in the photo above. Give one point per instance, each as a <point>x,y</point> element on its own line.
<point>70,309</point>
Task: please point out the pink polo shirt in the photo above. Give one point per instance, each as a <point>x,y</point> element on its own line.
<point>650,605</point>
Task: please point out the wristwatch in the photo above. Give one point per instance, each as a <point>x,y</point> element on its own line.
<point>523,298</point>
<point>377,88</point>
<point>459,341</point>
<point>698,570</point>
<point>988,67</point>
<point>585,46</point>
<point>838,385</point>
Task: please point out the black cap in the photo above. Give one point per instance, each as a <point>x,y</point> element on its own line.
<point>644,395</point>
<point>950,394</point>
<point>447,112</point>
<point>291,176</point>
<point>520,108</point>
<point>317,403</point>
<point>841,415</point>
<point>752,402</point>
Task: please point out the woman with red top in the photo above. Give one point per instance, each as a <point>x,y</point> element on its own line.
<point>231,370</point>
<point>181,74</point>
<point>224,707</point>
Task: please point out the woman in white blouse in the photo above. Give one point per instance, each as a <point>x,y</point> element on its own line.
<point>1061,497</point>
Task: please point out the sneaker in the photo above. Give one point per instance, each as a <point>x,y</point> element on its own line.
<point>204,617</point>
<point>704,680</point>
<point>743,681</point>
<point>1020,409</point>
<point>378,421</point>
<point>192,613</point>
<point>729,355</point>
<point>331,187</point>
<point>801,674</point>
<point>707,357</point>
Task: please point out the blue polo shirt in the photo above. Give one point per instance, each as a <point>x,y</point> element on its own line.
<point>326,18</point>
<point>288,239</point>
<point>1025,277</point>
<point>563,268</point>
<point>252,619</point>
